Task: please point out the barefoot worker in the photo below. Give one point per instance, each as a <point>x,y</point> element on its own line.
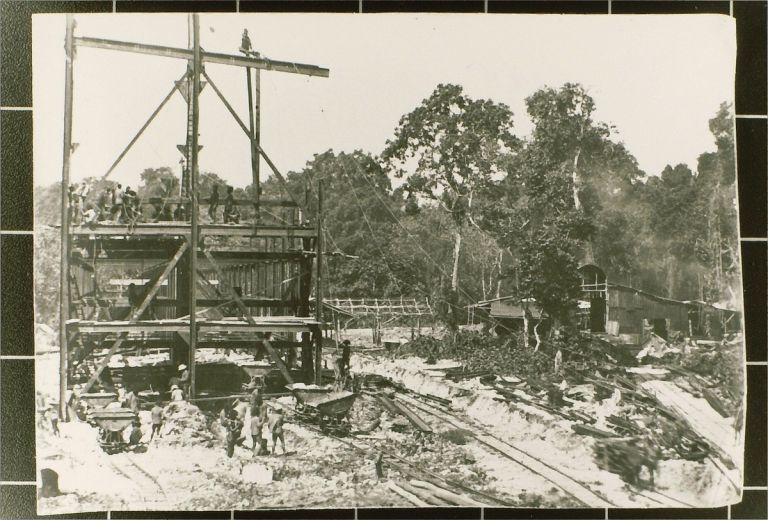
<point>276,421</point>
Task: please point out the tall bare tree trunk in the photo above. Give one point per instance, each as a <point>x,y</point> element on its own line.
<point>575,179</point>
<point>536,333</point>
<point>498,281</point>
<point>671,277</point>
<point>456,252</point>
<point>526,328</point>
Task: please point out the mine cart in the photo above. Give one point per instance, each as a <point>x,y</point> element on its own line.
<point>324,406</point>
<point>111,423</point>
<point>89,402</point>
<point>98,400</point>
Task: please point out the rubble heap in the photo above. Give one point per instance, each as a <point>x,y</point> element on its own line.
<point>187,425</point>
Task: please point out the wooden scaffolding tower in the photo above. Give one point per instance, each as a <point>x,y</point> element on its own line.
<point>200,289</point>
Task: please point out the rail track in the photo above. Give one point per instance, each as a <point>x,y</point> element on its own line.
<point>124,465</point>
<point>574,488</point>
<point>412,469</point>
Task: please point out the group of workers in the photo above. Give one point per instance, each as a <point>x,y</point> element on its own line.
<point>125,206</point>
<point>233,420</point>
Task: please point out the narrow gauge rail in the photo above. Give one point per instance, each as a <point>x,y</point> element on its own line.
<point>412,467</point>
<point>493,443</point>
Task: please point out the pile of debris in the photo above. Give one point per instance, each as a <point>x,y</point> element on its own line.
<point>186,425</point>
<point>480,353</point>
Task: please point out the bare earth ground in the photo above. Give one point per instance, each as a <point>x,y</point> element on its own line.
<point>188,469</point>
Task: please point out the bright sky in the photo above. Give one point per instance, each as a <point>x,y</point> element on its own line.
<point>658,79</point>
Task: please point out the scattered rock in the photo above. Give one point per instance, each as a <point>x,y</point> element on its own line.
<point>257,474</point>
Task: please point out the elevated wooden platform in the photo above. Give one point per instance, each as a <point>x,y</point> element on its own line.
<point>183,229</point>
<point>276,324</point>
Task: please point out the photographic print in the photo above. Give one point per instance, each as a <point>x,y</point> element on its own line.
<point>401,260</point>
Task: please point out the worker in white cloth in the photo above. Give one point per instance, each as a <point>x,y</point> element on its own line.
<point>182,380</point>
<point>176,393</point>
<point>558,361</point>
<point>131,400</point>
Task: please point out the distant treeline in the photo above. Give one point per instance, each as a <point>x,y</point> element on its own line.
<point>457,208</point>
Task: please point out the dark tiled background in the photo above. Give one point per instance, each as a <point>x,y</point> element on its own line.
<point>16,325</point>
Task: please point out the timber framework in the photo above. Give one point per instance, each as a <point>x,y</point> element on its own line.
<point>248,283</point>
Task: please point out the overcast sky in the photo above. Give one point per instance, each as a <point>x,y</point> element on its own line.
<point>658,79</point>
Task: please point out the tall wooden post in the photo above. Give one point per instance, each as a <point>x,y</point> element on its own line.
<point>319,284</point>
<point>69,48</point>
<point>193,173</point>
<point>254,123</point>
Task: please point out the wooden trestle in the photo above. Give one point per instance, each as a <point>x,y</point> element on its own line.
<point>249,288</point>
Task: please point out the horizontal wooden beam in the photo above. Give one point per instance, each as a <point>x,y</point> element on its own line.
<point>268,203</point>
<point>207,57</point>
<point>183,326</point>
<point>214,302</point>
<point>226,258</point>
<point>148,329</point>
<point>183,229</point>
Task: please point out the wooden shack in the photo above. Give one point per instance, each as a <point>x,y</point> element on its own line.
<point>631,314</point>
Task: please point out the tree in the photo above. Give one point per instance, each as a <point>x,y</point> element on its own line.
<point>449,149</point>
<point>360,214</point>
<point>717,249</point>
<point>539,215</point>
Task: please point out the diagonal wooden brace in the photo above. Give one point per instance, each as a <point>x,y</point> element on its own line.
<point>254,145</point>
<point>247,315</point>
<point>144,127</point>
<point>134,318</point>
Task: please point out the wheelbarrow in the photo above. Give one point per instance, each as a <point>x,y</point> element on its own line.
<point>111,424</point>
<point>323,405</point>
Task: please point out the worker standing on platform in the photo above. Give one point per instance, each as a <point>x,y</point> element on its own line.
<point>105,198</point>
<point>245,43</point>
<point>213,203</point>
<point>117,203</point>
<point>229,207</point>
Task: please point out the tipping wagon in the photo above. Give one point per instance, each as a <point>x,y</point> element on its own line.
<point>322,404</point>
<point>111,423</point>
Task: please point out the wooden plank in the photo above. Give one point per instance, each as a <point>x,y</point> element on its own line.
<point>413,499</point>
<point>584,429</point>
<point>445,494</point>
<point>412,417</point>
<point>387,403</point>
<point>422,494</point>
<point>209,57</point>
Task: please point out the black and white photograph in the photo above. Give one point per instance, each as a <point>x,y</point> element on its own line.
<point>300,261</point>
